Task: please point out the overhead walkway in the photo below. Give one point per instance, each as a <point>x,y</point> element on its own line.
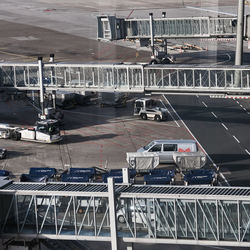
<point>133,213</point>
<point>114,28</point>
<point>127,78</point>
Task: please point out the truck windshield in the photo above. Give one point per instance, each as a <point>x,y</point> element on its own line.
<point>48,128</point>
<point>148,146</point>
<point>151,103</point>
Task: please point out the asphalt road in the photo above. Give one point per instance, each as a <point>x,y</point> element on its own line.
<point>221,126</point>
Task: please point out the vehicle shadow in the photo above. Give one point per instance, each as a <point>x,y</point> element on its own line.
<point>15,154</point>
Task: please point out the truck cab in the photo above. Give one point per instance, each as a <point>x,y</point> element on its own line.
<point>48,130</point>
<point>148,108</point>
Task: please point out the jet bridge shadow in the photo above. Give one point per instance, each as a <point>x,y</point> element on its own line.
<point>75,138</point>
<point>199,113</point>
<point>224,159</point>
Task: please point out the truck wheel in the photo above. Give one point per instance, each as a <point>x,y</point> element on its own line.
<point>144,116</point>
<point>16,136</point>
<point>155,61</point>
<point>157,118</point>
<point>121,219</point>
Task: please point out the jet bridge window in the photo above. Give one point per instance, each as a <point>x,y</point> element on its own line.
<point>156,148</point>
<point>170,147</point>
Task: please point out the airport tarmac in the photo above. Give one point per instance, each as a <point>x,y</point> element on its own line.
<point>92,136</point>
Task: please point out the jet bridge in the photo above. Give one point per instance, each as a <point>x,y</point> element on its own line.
<point>114,28</point>
<point>127,78</point>
<point>133,213</point>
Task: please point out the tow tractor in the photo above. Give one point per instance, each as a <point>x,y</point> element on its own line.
<point>45,131</point>
<point>147,108</point>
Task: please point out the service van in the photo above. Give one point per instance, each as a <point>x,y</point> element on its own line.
<point>166,148</point>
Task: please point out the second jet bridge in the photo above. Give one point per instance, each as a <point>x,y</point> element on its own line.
<point>114,28</point>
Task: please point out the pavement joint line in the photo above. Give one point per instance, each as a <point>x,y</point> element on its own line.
<point>209,10</point>
<point>247,152</point>
<point>214,164</point>
<point>224,126</point>
<point>204,104</point>
<point>168,110</point>
<point>236,138</point>
<point>214,114</point>
<point>83,113</point>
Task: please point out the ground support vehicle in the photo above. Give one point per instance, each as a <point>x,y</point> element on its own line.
<point>39,175</point>
<point>189,160</point>
<point>137,214</point>
<point>159,177</point>
<point>149,109</point>
<point>117,175</point>
<point>142,162</point>
<point>45,131</point>
<point>4,172</point>
<point>166,148</point>
<point>79,175</point>
<point>200,177</point>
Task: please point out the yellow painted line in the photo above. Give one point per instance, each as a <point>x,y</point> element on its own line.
<point>13,54</point>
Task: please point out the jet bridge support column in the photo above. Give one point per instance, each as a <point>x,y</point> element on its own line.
<point>165,43</point>
<point>40,70</point>
<point>239,41</point>
<point>112,213</point>
<point>130,246</point>
<point>152,35</point>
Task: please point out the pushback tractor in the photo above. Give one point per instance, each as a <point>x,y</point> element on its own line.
<point>148,108</point>
<point>45,131</point>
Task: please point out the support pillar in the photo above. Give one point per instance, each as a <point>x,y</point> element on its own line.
<point>165,43</point>
<point>239,41</point>
<point>130,246</point>
<point>54,99</point>
<point>51,58</point>
<point>125,175</point>
<point>152,35</point>
<point>112,214</point>
<point>40,69</point>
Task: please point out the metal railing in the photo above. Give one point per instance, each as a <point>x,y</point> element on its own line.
<point>128,78</point>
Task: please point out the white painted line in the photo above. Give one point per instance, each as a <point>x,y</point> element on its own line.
<point>241,105</point>
<point>245,109</point>
<point>237,102</point>
<point>208,10</point>
<point>236,139</point>
<point>222,176</point>
<point>248,113</point>
<point>204,104</point>
<point>169,112</point>
<point>214,114</point>
<point>224,126</point>
<point>197,96</point>
<point>247,151</point>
